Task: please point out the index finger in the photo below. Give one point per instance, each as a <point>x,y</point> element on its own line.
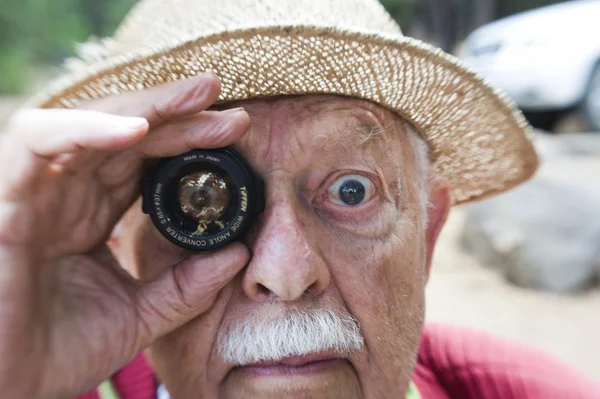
<point>165,102</point>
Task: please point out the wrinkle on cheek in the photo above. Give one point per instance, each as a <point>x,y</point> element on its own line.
<point>397,297</point>
<point>393,265</point>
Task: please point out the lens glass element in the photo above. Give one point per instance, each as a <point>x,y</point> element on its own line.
<point>205,197</point>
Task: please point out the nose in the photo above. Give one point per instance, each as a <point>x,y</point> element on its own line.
<point>285,264</point>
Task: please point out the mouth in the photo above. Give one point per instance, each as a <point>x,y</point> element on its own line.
<point>295,365</point>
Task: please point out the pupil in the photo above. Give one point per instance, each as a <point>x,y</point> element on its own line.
<point>352,192</point>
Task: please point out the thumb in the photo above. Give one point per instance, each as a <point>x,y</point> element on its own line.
<point>185,291</point>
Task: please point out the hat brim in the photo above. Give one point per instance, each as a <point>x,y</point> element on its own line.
<point>478,139</point>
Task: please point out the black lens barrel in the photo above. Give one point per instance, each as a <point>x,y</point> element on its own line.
<point>160,200</point>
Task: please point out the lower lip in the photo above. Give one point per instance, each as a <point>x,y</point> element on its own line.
<point>283,370</point>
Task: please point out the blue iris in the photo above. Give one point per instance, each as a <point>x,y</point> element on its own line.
<point>352,192</point>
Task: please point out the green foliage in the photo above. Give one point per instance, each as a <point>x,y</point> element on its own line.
<point>38,32</point>
<point>13,74</point>
<point>402,11</point>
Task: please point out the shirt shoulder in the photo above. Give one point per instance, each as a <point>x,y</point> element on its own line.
<point>471,364</point>
<point>134,381</point>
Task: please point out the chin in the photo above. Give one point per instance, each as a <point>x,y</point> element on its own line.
<point>323,379</point>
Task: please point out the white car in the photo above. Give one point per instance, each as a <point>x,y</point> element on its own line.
<point>547,59</point>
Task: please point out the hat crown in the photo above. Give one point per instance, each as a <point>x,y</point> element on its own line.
<point>168,22</point>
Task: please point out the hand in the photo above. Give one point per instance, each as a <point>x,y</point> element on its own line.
<point>69,315</point>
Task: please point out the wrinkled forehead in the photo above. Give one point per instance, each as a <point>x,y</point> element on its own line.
<point>319,124</point>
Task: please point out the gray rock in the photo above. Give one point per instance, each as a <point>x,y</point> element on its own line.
<point>572,144</point>
<point>581,143</point>
<point>544,234</point>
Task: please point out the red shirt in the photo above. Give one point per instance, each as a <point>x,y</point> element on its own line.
<point>453,363</point>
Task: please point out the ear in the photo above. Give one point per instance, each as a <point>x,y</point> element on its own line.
<point>437,212</point>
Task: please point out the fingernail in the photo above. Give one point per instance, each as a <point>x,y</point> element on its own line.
<point>134,124</point>
<point>233,110</point>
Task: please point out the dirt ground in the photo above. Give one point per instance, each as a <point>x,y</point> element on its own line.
<point>461,291</point>
<point>464,292</point>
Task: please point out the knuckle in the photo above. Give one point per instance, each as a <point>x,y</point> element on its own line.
<point>194,296</point>
<point>222,133</point>
<point>182,291</point>
<point>203,92</point>
<point>189,138</point>
<point>161,112</point>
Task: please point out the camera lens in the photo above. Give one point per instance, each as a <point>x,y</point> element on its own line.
<point>204,196</point>
<point>203,199</point>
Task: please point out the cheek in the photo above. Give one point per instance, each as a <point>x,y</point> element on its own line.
<point>382,267</point>
<point>382,282</point>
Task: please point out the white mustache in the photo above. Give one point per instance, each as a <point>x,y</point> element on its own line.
<point>295,334</point>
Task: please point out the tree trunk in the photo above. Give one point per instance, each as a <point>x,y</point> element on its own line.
<point>484,11</point>
<point>443,19</point>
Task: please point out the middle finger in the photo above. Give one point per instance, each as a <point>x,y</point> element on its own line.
<point>209,129</point>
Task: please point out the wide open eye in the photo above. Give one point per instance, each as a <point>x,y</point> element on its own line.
<point>351,190</point>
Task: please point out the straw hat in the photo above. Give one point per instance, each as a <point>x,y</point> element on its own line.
<point>477,138</point>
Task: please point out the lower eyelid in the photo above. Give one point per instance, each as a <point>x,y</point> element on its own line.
<point>345,216</point>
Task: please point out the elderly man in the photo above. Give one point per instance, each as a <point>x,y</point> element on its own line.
<point>363,139</point>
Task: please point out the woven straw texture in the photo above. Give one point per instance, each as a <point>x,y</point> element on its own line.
<point>477,138</point>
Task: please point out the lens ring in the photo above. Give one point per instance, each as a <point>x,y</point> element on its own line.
<point>241,209</point>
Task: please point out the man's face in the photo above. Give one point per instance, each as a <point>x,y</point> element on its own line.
<point>339,263</point>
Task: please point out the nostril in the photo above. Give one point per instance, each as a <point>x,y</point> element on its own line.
<point>263,289</point>
<point>312,288</point>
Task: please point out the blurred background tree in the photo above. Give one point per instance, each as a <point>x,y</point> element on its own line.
<point>37,33</point>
